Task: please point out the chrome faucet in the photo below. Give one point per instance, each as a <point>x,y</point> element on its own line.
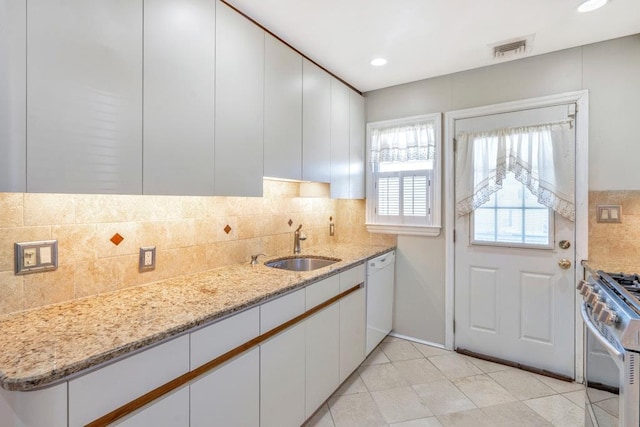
<point>254,259</point>
<point>297,237</point>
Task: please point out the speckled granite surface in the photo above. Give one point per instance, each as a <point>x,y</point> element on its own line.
<point>43,346</point>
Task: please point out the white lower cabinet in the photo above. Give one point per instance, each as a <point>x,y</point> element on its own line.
<point>101,391</point>
<point>171,410</point>
<point>282,379</point>
<point>352,332</point>
<point>352,321</point>
<point>229,395</point>
<point>46,407</point>
<point>322,356</point>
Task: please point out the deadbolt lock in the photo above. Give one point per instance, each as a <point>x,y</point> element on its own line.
<point>564,244</point>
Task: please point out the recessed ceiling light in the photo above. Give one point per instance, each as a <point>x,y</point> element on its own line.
<point>589,5</point>
<point>378,62</point>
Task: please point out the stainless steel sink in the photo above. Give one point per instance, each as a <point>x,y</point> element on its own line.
<point>301,263</point>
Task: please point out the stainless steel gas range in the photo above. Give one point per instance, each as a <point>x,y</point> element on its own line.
<point>611,312</point>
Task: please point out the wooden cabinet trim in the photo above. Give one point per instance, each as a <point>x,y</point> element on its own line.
<point>289,46</point>
<point>186,378</point>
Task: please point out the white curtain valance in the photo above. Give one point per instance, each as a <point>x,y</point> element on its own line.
<point>541,157</point>
<point>403,143</point>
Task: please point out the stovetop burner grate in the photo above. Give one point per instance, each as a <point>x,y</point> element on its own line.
<point>627,286</point>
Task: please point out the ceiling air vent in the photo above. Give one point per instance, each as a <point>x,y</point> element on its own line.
<point>511,48</point>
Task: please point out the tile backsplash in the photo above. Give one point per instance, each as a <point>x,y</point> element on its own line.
<point>188,232</point>
<point>615,246</point>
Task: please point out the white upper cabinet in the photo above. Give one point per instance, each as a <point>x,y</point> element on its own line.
<point>179,67</point>
<point>84,97</point>
<point>356,146</point>
<point>13,98</point>
<point>283,110</point>
<point>316,123</point>
<point>239,110</point>
<point>339,140</point>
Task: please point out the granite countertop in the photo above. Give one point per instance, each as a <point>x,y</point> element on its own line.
<point>43,346</point>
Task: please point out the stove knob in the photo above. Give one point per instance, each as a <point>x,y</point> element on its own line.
<point>607,316</point>
<point>583,286</point>
<point>592,298</point>
<point>598,307</point>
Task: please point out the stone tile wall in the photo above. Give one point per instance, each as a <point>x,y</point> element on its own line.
<point>188,233</point>
<point>615,246</point>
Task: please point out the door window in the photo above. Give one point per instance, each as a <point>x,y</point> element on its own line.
<point>512,217</point>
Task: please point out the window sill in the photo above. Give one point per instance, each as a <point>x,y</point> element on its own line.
<point>405,230</point>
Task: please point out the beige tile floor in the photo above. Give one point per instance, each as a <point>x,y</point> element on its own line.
<point>406,384</point>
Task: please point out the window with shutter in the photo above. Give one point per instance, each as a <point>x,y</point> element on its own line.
<point>403,194</point>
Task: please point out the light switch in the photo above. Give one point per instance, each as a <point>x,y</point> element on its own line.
<point>35,257</point>
<point>609,213</point>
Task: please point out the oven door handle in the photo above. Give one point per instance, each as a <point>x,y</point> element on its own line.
<point>598,335</point>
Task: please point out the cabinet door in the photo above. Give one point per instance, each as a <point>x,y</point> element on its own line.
<point>282,379</point>
<point>352,332</point>
<point>171,410</point>
<point>84,103</point>
<point>101,391</point>
<point>316,123</point>
<point>322,356</point>
<point>13,98</point>
<point>339,140</point>
<point>239,105</point>
<point>46,407</point>
<point>229,395</point>
<point>282,110</point>
<point>280,310</point>
<point>356,146</point>
<point>179,55</point>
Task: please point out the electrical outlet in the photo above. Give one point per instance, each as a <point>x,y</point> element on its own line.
<point>147,258</point>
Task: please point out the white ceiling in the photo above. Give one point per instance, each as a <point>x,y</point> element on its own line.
<point>427,38</point>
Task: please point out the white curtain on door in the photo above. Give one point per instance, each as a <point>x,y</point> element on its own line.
<point>541,157</point>
<point>403,143</point>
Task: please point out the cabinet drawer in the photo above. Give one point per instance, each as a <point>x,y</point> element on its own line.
<point>321,291</point>
<point>216,339</point>
<point>278,311</point>
<point>352,277</point>
<point>103,390</point>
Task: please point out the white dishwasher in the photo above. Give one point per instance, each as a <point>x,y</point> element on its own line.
<point>380,280</point>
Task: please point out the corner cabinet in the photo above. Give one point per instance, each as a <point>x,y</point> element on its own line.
<point>239,105</point>
<point>179,67</point>
<point>84,96</point>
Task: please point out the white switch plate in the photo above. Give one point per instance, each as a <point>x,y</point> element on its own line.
<point>35,257</point>
<point>147,259</point>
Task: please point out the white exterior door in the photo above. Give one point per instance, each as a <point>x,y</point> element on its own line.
<point>513,298</point>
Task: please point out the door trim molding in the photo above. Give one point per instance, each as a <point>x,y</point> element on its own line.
<point>581,98</point>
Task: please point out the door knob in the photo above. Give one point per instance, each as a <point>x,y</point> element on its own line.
<point>564,263</point>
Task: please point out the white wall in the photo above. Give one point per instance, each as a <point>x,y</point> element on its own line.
<point>609,70</point>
